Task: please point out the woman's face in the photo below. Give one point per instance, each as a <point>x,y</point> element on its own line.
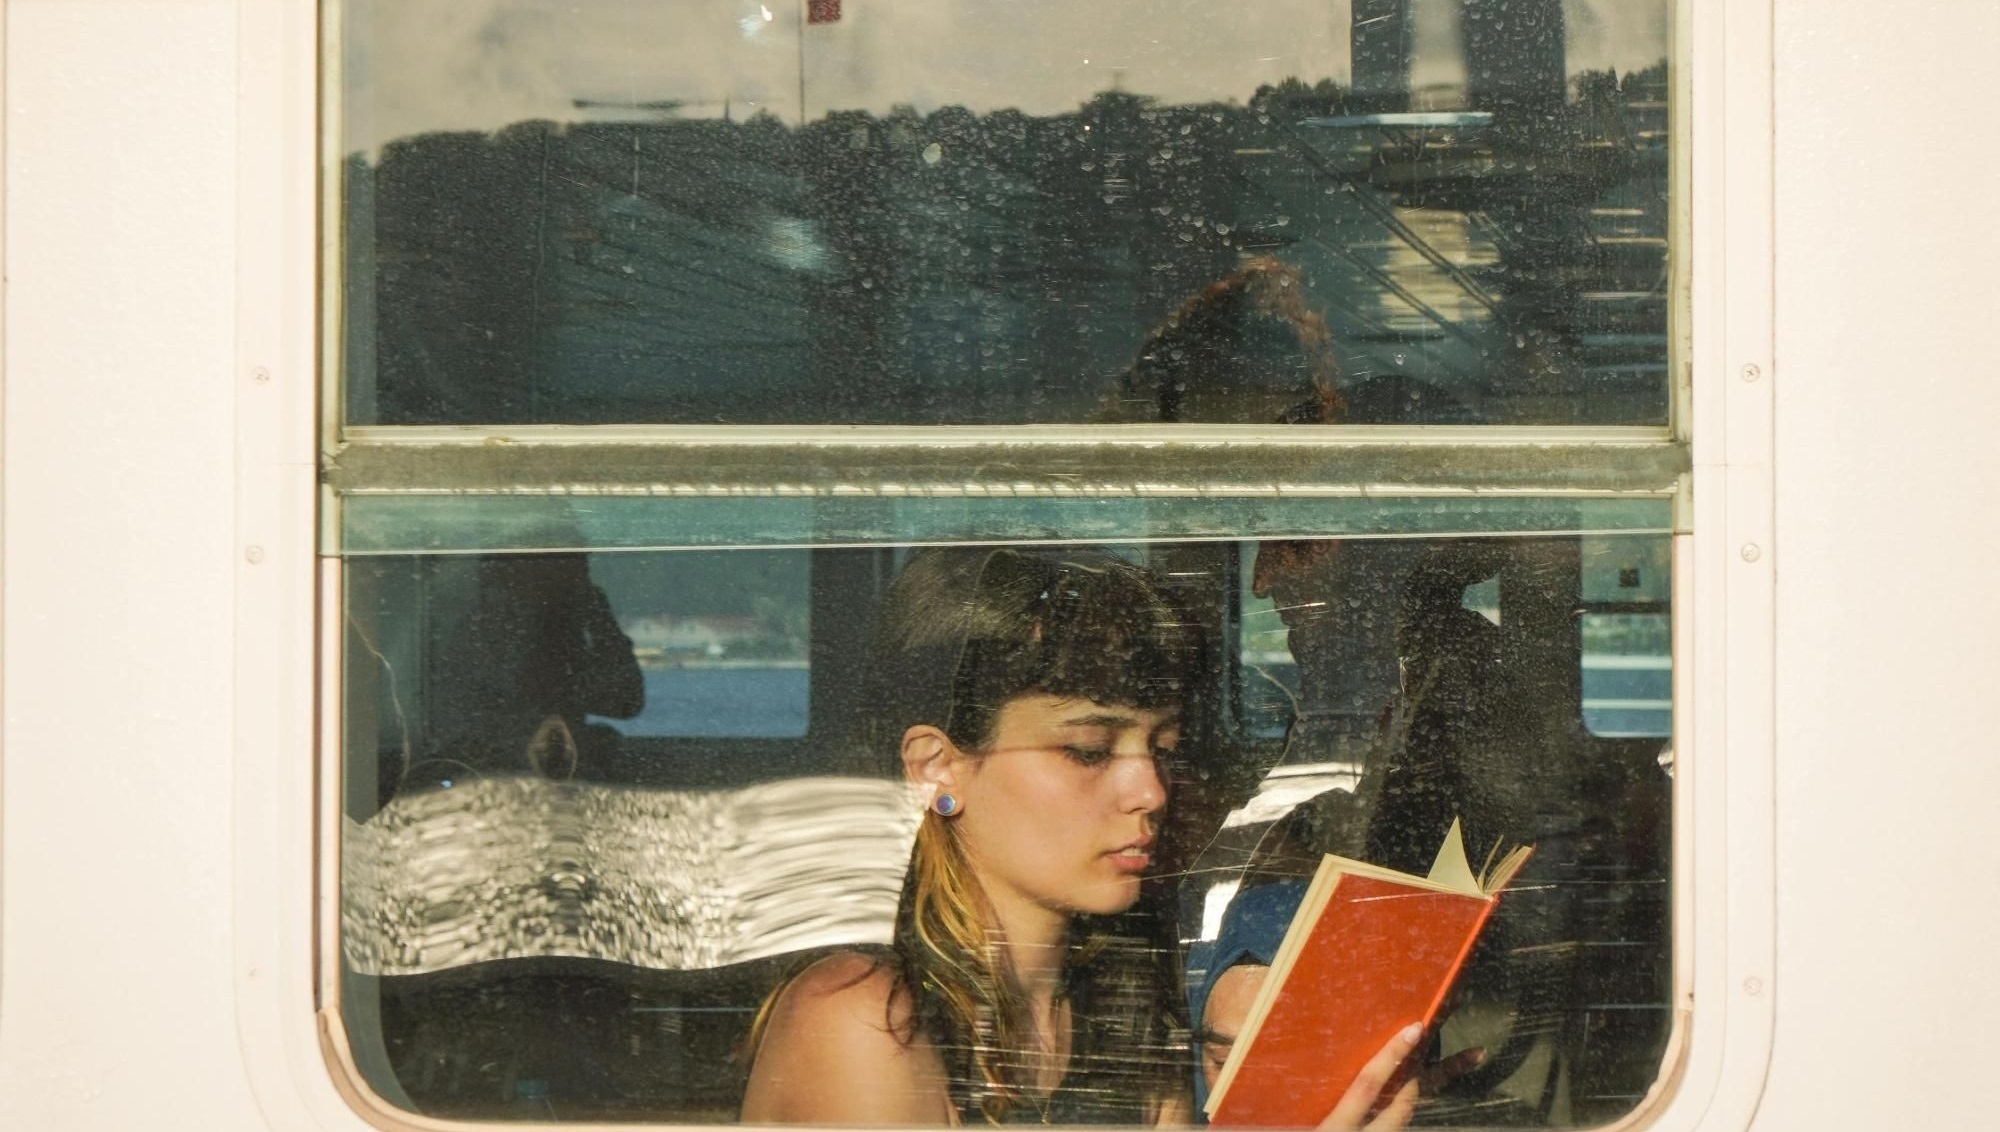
<point>1059,809</point>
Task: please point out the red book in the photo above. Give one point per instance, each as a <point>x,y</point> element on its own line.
<point>1369,951</point>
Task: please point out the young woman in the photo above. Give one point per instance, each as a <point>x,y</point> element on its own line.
<point>1032,699</point>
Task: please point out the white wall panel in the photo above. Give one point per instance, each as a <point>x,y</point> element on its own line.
<point>1888,528</point>
<point>115,943</point>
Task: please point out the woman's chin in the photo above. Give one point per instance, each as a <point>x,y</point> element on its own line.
<point>1110,898</point>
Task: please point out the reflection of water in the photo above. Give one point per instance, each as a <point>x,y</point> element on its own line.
<point>506,868</point>
<point>722,702</point>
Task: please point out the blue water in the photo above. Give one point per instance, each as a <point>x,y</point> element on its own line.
<point>722,703</point>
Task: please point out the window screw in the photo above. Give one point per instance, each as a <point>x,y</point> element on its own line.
<point>253,555</point>
<point>1751,372</point>
<point>1752,552</point>
<point>1753,986</point>
<point>260,375</point>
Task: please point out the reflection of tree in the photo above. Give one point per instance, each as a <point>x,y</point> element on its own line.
<point>1293,98</point>
<point>954,266</point>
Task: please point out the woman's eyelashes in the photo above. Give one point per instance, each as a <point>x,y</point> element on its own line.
<point>1095,753</point>
<point>1088,754</point>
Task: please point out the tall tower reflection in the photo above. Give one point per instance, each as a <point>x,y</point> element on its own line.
<point>1382,42</point>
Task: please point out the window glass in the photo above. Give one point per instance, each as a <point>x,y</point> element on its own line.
<point>721,640</point>
<point>1627,674</point>
<point>1627,646</point>
<point>550,910</point>
<point>943,211</point>
<point>648,733</point>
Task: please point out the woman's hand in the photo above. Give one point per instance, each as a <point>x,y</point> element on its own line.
<point>1433,1079</point>
<point>1352,1110</point>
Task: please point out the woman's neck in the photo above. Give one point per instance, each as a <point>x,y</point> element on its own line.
<point>1037,943</point>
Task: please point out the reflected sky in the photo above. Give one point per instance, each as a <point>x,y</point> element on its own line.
<point>411,66</point>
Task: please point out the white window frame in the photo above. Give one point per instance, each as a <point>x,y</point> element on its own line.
<point>286,704</point>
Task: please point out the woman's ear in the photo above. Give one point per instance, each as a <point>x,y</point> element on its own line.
<point>931,761</point>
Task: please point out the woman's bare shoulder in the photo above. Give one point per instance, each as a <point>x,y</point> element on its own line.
<point>839,1047</point>
<point>845,974</point>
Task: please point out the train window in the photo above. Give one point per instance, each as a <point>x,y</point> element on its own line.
<point>742,418</point>
<point>692,213</point>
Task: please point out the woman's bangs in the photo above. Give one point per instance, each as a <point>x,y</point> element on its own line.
<point>1105,634</point>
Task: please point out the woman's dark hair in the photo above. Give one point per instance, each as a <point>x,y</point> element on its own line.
<point>965,630</point>
<point>1246,349</point>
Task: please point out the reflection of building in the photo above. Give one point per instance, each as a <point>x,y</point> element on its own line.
<point>1381,44</point>
<point>665,639</point>
<point>1505,260</point>
<point>1514,62</point>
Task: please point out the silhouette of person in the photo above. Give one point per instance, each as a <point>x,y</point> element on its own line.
<point>1444,713</point>
<point>1377,630</point>
<point>519,650</point>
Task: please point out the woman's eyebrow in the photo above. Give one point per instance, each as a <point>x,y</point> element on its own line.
<point>1099,719</point>
<point>1113,719</point>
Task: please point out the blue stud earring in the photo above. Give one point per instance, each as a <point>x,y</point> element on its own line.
<point>945,805</point>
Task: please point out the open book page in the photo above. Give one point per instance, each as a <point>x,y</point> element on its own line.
<point>1498,876</point>
<point>1451,870</point>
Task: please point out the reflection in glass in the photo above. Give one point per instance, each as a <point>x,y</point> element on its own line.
<point>940,211</point>
<point>592,938</point>
<point>720,638</point>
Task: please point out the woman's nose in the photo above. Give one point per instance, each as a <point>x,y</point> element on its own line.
<point>1142,784</point>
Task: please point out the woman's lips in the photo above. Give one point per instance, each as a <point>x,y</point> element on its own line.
<point>1131,858</point>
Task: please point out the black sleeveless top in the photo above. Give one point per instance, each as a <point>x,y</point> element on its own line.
<point>1105,1082</point>
<point>1084,1097</point>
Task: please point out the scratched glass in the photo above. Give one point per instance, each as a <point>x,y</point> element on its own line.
<point>959,212</point>
<point>598,805</point>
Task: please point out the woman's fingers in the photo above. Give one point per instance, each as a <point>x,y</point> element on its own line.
<point>1451,1069</point>
<point>1397,1114</point>
<point>1354,1104</point>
